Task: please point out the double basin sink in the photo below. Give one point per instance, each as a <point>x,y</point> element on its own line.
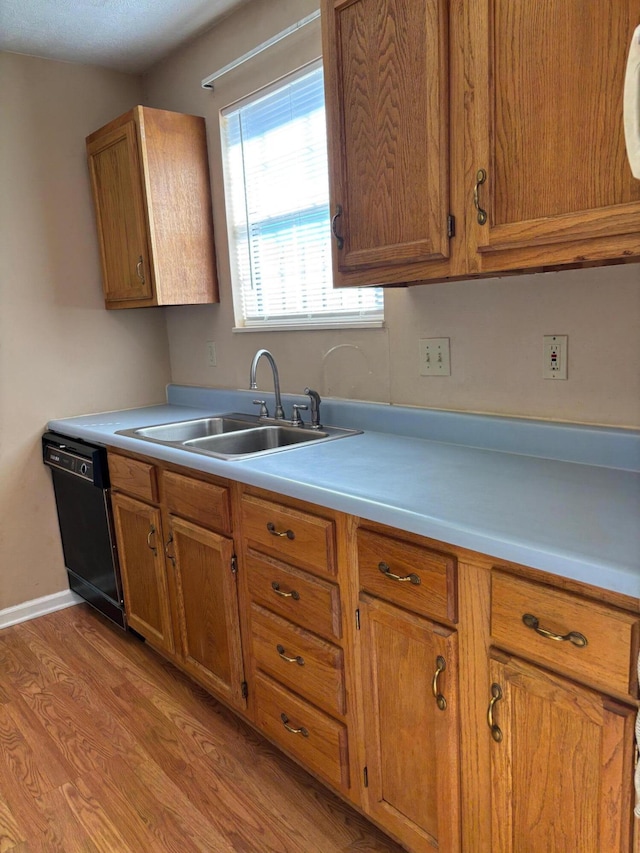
<point>234,436</point>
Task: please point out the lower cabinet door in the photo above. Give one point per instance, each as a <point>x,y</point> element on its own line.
<point>144,578</point>
<point>561,763</point>
<point>410,673</point>
<point>207,595</point>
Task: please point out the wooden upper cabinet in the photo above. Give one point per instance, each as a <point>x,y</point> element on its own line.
<point>150,180</point>
<point>546,126</point>
<point>387,102</point>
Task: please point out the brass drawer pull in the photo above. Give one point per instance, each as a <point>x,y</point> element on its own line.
<point>171,557</point>
<point>481,177</point>
<point>386,570</point>
<point>496,695</point>
<point>334,226</point>
<point>272,530</point>
<point>152,532</point>
<point>574,637</point>
<point>275,586</point>
<point>139,270</point>
<point>301,731</point>
<point>441,665</point>
<point>282,652</point>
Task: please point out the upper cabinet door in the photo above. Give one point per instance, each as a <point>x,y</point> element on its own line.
<point>545,125</point>
<point>117,189</point>
<point>387,101</point>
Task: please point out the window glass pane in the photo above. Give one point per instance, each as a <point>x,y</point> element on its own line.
<point>277,195</point>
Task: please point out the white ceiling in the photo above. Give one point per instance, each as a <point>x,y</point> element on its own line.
<point>125,35</point>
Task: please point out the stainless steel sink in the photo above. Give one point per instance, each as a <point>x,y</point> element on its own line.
<point>233,436</point>
<point>255,440</point>
<point>187,430</point>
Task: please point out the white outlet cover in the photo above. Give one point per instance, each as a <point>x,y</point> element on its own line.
<point>555,349</point>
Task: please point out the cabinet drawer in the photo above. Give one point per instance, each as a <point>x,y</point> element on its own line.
<point>294,536</point>
<point>133,477</point>
<point>316,739</point>
<point>429,584</point>
<point>299,597</point>
<point>205,503</point>
<point>608,659</point>
<point>312,667</point>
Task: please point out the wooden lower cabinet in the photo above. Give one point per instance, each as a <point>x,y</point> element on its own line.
<point>207,599</point>
<point>144,576</point>
<point>423,683</point>
<point>411,726</point>
<point>561,764</point>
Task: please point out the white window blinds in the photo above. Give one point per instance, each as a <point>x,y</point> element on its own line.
<point>276,186</point>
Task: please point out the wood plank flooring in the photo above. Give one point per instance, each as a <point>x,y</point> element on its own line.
<point>104,746</point>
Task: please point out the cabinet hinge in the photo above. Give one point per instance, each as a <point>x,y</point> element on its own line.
<point>244,689</point>
<point>365,774</point>
<point>357,619</point>
<point>234,564</point>
<point>451,226</point>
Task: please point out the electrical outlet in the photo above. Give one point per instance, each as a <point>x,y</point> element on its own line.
<point>434,356</point>
<point>555,356</point>
<point>211,354</point>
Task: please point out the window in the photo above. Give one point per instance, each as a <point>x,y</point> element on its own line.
<point>275,172</point>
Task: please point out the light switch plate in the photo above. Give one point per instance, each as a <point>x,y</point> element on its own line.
<point>435,357</point>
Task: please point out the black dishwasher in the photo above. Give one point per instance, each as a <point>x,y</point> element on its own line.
<point>81,486</point>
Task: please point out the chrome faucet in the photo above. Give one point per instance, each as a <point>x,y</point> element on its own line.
<point>279,413</point>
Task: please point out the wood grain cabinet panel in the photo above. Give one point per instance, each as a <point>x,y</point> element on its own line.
<point>208,608</point>
<point>133,477</point>
<point>205,503</point>
<point>306,664</point>
<point>387,67</point>
<point>150,180</point>
<point>144,578</point>
<point>297,596</point>
<point>296,537</point>
<point>609,658</point>
<point>412,741</point>
<point>418,578</point>
<point>318,740</point>
<point>546,125</point>
<point>562,770</point>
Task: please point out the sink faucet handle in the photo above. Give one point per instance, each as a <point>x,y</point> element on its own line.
<point>296,420</point>
<point>264,412</point>
<point>315,400</point>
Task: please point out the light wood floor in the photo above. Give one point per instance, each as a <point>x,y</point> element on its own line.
<point>104,746</point>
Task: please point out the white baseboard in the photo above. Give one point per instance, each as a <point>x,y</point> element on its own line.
<point>38,607</point>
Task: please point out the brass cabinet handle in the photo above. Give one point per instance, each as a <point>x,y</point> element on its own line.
<point>441,665</point>
<point>334,226</point>
<point>282,652</point>
<point>386,571</point>
<point>169,556</point>
<point>481,177</point>
<point>275,586</point>
<point>139,271</point>
<point>301,731</point>
<point>574,637</point>
<point>152,532</point>
<point>272,530</point>
<point>496,694</point>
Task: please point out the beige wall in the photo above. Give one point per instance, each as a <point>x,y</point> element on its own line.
<point>495,326</point>
<point>61,353</point>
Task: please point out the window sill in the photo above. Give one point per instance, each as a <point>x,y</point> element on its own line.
<point>316,327</point>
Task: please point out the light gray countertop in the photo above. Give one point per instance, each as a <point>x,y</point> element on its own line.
<point>490,488</point>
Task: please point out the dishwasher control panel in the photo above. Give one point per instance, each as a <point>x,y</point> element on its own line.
<point>66,461</point>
